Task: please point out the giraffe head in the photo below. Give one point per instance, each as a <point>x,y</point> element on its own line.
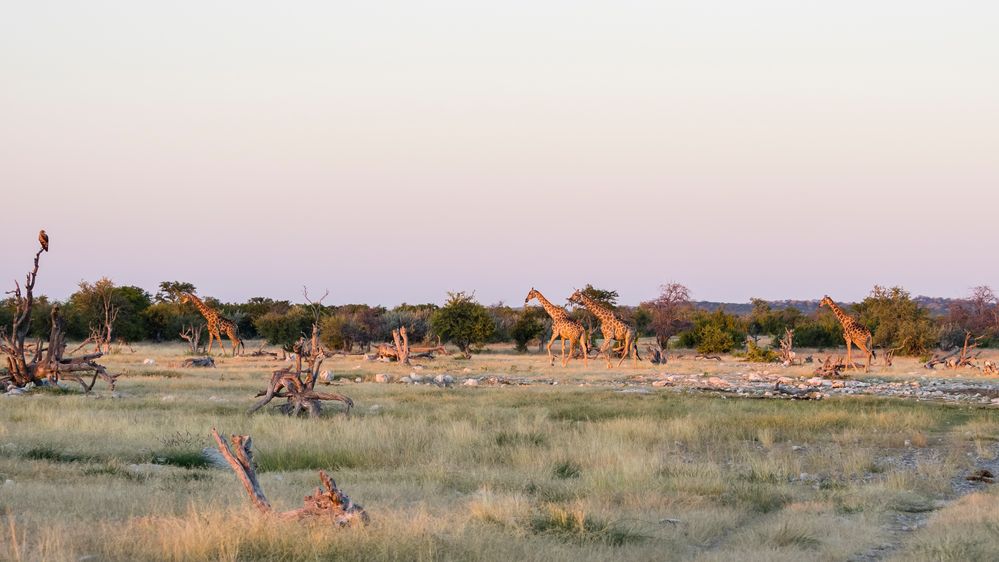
<point>576,297</point>
<point>532,295</point>
<point>826,301</point>
<point>185,298</point>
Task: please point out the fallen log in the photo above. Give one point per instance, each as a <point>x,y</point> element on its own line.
<point>198,362</point>
<point>329,501</point>
<point>831,369</point>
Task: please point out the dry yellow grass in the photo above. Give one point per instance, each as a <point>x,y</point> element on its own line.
<point>562,472</point>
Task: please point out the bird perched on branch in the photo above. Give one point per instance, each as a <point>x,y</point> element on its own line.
<point>43,239</point>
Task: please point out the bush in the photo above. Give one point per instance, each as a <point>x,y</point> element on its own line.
<point>284,329</point>
<point>757,354</point>
<point>463,322</point>
<point>897,321</point>
<point>527,327</point>
<point>714,332</point>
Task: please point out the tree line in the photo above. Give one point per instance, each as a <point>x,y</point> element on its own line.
<point>129,313</point>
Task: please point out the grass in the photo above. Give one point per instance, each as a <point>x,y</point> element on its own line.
<point>562,472</point>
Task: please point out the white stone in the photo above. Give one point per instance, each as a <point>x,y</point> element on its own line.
<point>148,361</point>
<point>471,382</point>
<point>382,378</point>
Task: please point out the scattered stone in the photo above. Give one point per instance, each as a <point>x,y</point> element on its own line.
<point>382,378</point>
<point>470,382</point>
<point>466,370</point>
<point>145,469</point>
<point>660,383</point>
<point>168,398</point>
<point>444,380</point>
<point>326,376</point>
<point>148,361</point>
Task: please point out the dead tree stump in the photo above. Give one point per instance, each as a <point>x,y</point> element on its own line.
<point>328,501</point>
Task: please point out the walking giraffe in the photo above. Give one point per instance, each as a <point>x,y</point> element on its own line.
<point>216,324</point>
<point>853,333</point>
<point>562,327</point>
<point>611,327</point>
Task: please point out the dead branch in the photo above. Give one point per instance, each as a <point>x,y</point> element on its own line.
<point>962,357</point>
<point>300,395</point>
<point>47,363</point>
<point>657,354</point>
<point>192,334</point>
<point>786,353</point>
<point>831,369</point>
<point>198,362</point>
<point>328,501</point>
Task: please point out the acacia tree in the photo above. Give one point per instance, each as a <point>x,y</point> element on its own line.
<point>670,312</point>
<point>463,322</point>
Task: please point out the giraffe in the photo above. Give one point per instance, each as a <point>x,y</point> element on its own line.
<point>216,324</point>
<point>562,327</point>
<point>853,333</point>
<point>611,327</point>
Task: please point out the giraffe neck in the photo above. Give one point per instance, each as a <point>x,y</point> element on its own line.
<point>555,312</point>
<point>840,315</point>
<point>204,309</point>
<point>597,309</point>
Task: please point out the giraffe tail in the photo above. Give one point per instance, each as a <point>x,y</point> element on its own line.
<point>874,354</point>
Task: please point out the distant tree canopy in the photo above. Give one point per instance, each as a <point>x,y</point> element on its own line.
<point>897,320</point>
<point>463,322</point>
<point>85,312</point>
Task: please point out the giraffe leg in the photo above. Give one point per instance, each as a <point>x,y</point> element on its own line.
<point>551,358</point>
<point>582,344</point>
<point>563,349</point>
<point>572,348</point>
<point>211,341</point>
<point>867,352</point>
<point>849,354</point>
<point>605,349</point>
<point>627,348</point>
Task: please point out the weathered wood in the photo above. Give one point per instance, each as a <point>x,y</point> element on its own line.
<point>300,396</point>
<point>198,362</point>
<point>786,354</point>
<point>831,369</point>
<point>962,357</point>
<point>47,363</point>
<point>328,501</point>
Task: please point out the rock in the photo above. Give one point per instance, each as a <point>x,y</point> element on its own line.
<point>415,378</point>
<point>148,361</point>
<point>660,384</point>
<point>406,380</point>
<point>8,482</point>
<point>814,381</point>
<point>357,379</point>
<point>168,398</point>
<point>466,370</point>
<point>444,380</point>
<point>216,399</point>
<point>382,378</point>
<point>715,382</point>
<point>470,382</point>
<point>326,376</point>
<point>15,392</point>
<point>418,367</point>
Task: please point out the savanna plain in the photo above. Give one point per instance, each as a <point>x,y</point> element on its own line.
<point>586,469</point>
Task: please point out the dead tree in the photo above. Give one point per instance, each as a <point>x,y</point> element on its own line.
<point>300,395</point>
<point>47,362</point>
<point>657,354</point>
<point>831,369</point>
<point>889,355</point>
<point>327,502</point>
<point>962,357</point>
<point>786,353</point>
<point>192,334</point>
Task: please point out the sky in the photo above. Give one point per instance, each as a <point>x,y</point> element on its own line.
<point>394,151</point>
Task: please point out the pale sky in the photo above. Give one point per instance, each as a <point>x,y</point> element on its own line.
<point>392,151</point>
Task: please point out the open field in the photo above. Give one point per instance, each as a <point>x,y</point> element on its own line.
<point>591,468</point>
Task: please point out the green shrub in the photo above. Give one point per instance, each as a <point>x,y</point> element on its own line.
<point>463,322</point>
